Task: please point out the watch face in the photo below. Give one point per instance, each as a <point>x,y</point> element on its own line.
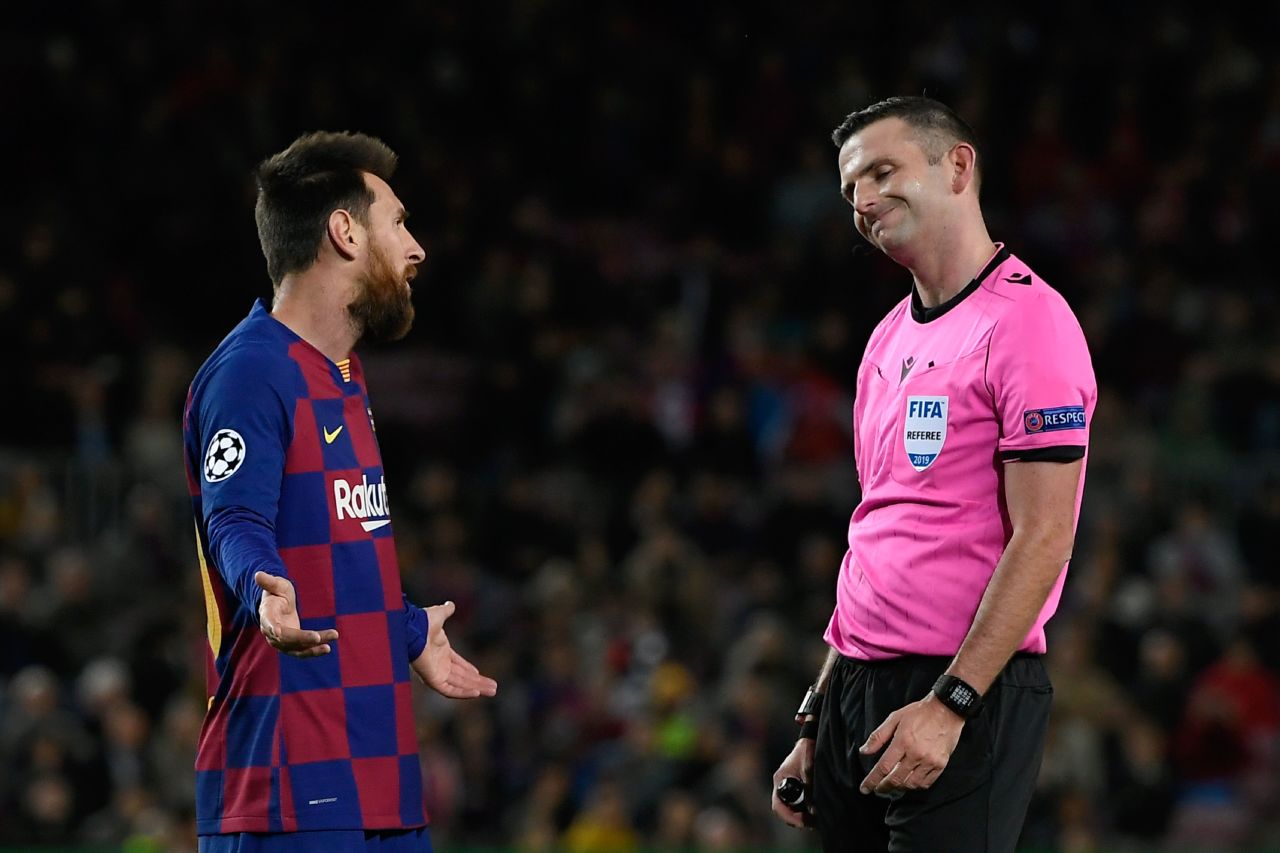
<point>961,694</point>
<point>958,696</point>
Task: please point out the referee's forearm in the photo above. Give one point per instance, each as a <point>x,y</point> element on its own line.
<point>1017,591</point>
<point>824,675</point>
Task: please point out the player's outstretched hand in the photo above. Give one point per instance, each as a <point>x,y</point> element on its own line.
<point>444,670</point>
<point>278,620</point>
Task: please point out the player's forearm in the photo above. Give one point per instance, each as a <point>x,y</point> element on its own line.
<point>1018,589</point>
<point>242,543</point>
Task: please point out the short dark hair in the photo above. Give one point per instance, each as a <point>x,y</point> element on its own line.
<point>937,126</point>
<point>299,187</point>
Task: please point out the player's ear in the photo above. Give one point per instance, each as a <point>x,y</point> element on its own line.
<point>343,233</point>
<point>963,162</point>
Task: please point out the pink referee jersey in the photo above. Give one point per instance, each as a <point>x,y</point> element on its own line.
<point>946,397</point>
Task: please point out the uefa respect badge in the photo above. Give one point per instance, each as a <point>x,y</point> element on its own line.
<point>925,430</point>
<point>1052,420</point>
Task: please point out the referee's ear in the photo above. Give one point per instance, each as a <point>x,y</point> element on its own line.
<point>962,160</point>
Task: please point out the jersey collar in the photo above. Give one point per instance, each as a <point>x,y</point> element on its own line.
<point>921,314</point>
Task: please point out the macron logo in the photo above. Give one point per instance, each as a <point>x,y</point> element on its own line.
<point>363,500</point>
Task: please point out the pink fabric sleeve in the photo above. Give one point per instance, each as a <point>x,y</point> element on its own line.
<point>1041,379</point>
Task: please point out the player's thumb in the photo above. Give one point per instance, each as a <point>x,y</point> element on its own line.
<point>444,611</point>
<point>273,584</point>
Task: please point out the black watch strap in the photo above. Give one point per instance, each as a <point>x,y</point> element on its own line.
<point>958,696</point>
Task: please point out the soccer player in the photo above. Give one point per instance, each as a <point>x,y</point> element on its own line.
<point>925,728</point>
<point>309,741</point>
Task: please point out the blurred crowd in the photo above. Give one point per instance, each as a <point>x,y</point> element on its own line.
<point>618,436</point>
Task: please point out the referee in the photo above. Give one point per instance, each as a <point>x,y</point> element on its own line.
<point>925,728</point>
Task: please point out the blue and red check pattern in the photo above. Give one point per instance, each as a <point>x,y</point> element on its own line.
<point>329,742</point>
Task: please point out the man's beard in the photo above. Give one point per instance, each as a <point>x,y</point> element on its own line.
<point>382,310</point>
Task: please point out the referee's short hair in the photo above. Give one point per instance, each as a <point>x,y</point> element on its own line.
<point>300,186</point>
<point>937,127</point>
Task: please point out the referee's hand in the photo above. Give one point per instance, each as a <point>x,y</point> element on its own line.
<point>920,738</point>
<point>798,764</point>
<point>278,620</point>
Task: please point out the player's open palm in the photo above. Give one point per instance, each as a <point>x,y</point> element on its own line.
<point>278,620</point>
<point>443,669</point>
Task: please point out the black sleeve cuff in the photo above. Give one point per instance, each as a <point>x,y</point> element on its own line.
<point>1057,453</point>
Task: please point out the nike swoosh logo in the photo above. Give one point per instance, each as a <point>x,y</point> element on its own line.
<point>374,525</point>
<point>330,436</point>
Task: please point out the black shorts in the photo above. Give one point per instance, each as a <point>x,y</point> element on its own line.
<point>979,801</point>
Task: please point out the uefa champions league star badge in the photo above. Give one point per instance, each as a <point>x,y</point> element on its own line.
<point>224,456</point>
<point>925,430</point>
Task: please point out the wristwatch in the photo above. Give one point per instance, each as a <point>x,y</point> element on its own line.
<point>808,712</point>
<point>958,696</point>
<point>810,705</point>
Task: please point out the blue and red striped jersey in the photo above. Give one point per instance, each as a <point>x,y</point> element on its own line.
<point>286,477</point>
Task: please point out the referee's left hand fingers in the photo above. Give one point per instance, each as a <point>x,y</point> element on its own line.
<point>885,766</point>
<point>879,738</point>
<point>929,777</point>
<point>882,735</point>
<point>899,777</point>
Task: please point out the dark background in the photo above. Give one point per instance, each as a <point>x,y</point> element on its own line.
<point>618,433</point>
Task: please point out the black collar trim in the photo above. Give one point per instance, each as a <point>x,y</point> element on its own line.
<point>921,314</point>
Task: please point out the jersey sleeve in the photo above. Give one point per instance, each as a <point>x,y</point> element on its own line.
<point>1041,379</point>
<point>415,629</point>
<point>246,428</point>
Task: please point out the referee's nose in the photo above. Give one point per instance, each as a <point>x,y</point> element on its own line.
<point>865,199</point>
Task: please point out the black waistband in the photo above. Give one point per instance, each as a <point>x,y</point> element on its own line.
<point>922,660</point>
